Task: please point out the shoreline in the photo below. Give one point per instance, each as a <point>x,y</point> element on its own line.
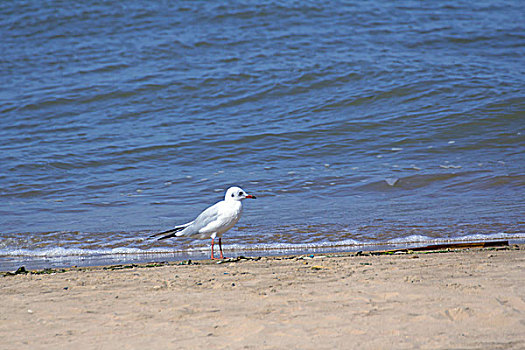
<point>424,249</point>
<point>12,263</point>
<point>467,298</point>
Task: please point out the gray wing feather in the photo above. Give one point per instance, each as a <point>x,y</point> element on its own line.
<point>173,230</point>
<point>209,215</point>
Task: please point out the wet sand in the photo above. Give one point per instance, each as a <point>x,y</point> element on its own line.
<point>462,299</point>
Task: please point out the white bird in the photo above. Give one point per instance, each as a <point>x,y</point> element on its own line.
<point>214,221</point>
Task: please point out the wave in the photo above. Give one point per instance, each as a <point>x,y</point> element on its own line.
<point>267,249</point>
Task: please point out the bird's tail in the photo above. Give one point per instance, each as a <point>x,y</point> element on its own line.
<point>172,232</point>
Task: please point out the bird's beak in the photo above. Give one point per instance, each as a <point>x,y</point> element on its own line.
<point>250,196</point>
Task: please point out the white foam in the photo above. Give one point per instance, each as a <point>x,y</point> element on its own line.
<point>61,252</point>
<point>471,237</point>
<point>58,252</point>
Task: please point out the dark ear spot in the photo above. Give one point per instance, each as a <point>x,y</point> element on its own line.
<point>233,195</point>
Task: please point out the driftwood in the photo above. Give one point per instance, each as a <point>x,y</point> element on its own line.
<point>447,246</point>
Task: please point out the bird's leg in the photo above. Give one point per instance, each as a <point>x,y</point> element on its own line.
<point>220,246</point>
<point>212,257</point>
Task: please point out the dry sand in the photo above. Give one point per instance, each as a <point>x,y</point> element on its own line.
<point>468,299</point>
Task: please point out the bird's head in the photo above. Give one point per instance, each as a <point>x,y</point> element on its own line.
<point>236,194</point>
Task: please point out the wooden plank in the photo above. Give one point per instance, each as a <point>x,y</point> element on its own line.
<point>442,246</point>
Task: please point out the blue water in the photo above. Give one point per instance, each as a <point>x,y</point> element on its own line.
<point>355,124</point>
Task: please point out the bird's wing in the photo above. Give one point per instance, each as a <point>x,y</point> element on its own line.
<point>173,230</point>
<point>204,219</point>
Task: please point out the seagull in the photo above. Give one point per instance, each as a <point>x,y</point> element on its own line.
<point>214,221</point>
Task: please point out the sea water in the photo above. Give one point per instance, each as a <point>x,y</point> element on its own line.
<point>356,124</point>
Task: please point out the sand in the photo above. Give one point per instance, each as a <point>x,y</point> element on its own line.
<point>464,299</point>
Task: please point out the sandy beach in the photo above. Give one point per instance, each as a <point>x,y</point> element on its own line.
<point>461,299</point>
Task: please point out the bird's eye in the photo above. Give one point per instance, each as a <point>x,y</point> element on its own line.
<point>240,193</point>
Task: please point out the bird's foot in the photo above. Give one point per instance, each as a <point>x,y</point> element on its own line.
<point>221,258</point>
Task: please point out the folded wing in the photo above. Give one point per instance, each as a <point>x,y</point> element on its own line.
<point>194,227</point>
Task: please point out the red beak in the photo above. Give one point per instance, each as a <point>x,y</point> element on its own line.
<point>250,196</point>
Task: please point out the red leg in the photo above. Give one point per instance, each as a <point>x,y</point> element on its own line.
<point>220,246</point>
<point>212,257</point>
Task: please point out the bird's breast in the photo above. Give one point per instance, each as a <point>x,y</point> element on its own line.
<point>229,216</point>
